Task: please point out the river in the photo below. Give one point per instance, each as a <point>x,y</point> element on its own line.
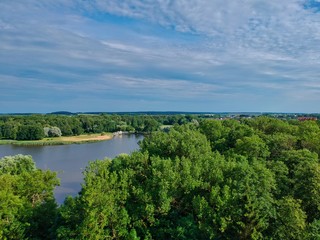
<point>70,160</point>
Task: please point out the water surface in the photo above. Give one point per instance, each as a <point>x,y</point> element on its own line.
<point>71,160</point>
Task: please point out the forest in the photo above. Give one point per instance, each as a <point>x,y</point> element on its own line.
<point>253,178</point>
<point>37,126</point>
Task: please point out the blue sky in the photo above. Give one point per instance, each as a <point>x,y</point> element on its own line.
<point>159,55</point>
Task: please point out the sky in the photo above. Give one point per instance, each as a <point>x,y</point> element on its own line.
<point>160,55</point>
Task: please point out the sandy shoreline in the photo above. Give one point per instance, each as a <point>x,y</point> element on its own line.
<point>84,138</point>
<point>61,140</point>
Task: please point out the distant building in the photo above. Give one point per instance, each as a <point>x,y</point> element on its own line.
<point>307,119</point>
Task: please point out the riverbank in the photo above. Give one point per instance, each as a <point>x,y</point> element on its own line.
<point>85,138</point>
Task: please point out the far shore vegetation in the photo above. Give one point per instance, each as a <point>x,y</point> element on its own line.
<point>56,129</point>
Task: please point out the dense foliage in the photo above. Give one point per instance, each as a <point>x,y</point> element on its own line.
<point>250,179</point>
<point>34,127</point>
<point>27,205</point>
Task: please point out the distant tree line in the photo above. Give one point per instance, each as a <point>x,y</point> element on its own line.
<point>34,127</point>
<point>251,179</point>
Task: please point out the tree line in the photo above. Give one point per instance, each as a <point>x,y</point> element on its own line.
<point>35,127</point>
<point>250,179</point>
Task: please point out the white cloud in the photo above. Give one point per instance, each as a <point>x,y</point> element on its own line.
<point>174,49</point>
<point>281,27</point>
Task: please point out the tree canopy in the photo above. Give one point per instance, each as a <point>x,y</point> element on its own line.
<point>252,179</point>
<point>218,180</point>
<point>27,206</point>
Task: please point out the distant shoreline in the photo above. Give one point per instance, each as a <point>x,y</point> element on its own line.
<point>84,138</point>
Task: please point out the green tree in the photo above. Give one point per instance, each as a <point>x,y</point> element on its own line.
<point>290,221</point>
<point>313,230</point>
<point>279,142</point>
<point>9,130</point>
<point>309,136</point>
<point>27,206</point>
<point>180,141</point>
<point>216,134</point>
<point>30,132</point>
<point>1,126</point>
<point>102,201</point>
<point>150,125</point>
<point>252,147</point>
<point>306,186</point>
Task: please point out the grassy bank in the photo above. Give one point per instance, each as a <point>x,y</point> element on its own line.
<point>86,138</point>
